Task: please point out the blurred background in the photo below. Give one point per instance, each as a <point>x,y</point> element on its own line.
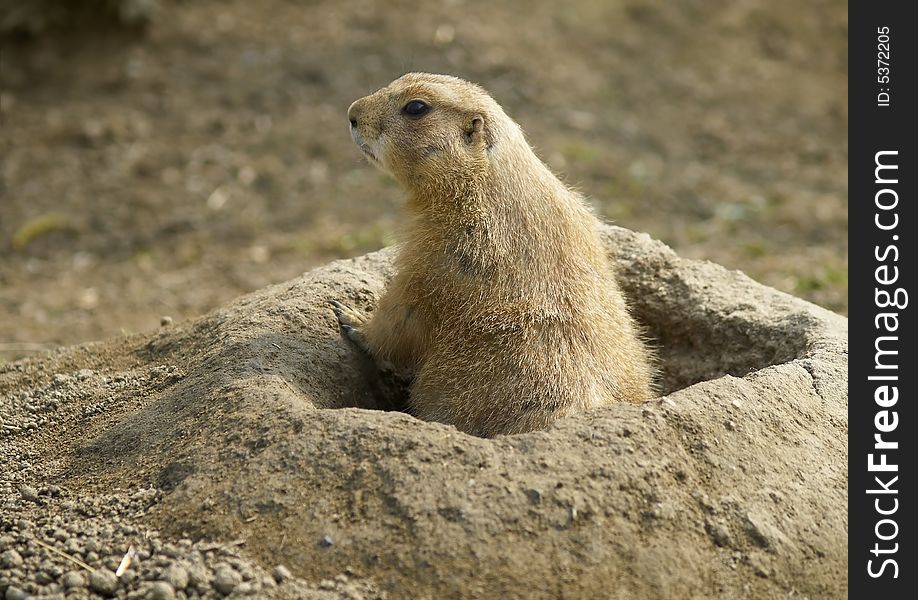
<point>162,157</point>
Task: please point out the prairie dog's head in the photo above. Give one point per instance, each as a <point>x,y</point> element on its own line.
<point>426,129</point>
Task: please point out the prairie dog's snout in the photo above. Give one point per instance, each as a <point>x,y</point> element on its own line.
<point>352,115</point>
<point>361,133</point>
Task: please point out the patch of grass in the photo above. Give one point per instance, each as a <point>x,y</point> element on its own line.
<point>755,249</point>
<point>38,227</point>
<point>335,242</point>
<point>616,211</point>
<point>828,278</point>
<point>369,238</point>
<point>577,152</point>
<point>836,276</point>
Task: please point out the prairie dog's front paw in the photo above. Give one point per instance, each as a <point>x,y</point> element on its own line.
<point>352,323</point>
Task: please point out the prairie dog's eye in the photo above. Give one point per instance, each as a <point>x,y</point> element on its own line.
<point>416,108</point>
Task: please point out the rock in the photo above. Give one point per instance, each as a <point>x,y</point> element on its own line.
<point>176,575</point>
<point>281,573</point>
<point>199,576</point>
<point>11,559</point>
<point>43,577</point>
<point>160,590</point>
<point>28,493</point>
<point>14,593</point>
<point>226,579</point>
<point>719,534</point>
<point>129,577</point>
<point>104,582</point>
<point>244,589</point>
<point>73,580</point>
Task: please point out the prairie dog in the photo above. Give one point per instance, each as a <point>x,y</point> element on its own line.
<point>504,307</point>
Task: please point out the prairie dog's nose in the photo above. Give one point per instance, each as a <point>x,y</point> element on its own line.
<point>353,112</point>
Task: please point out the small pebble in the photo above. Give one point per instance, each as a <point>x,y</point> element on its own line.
<point>281,573</point>
<point>176,575</point>
<point>104,582</point>
<point>719,535</point>
<point>199,576</point>
<point>326,541</point>
<point>43,578</point>
<point>14,593</point>
<point>28,493</point>
<point>225,580</point>
<point>10,559</point>
<point>160,590</point>
<point>165,321</point>
<point>243,589</point>
<point>73,579</point>
<point>130,575</point>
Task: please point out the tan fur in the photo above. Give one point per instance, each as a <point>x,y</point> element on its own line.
<point>504,306</point>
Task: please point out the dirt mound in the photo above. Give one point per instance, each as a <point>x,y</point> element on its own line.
<point>734,484</point>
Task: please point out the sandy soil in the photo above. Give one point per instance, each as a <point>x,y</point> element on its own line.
<point>164,173</point>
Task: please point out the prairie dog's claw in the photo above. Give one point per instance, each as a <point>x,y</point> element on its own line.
<point>351,322</point>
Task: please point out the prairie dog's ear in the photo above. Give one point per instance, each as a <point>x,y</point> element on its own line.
<point>477,132</point>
